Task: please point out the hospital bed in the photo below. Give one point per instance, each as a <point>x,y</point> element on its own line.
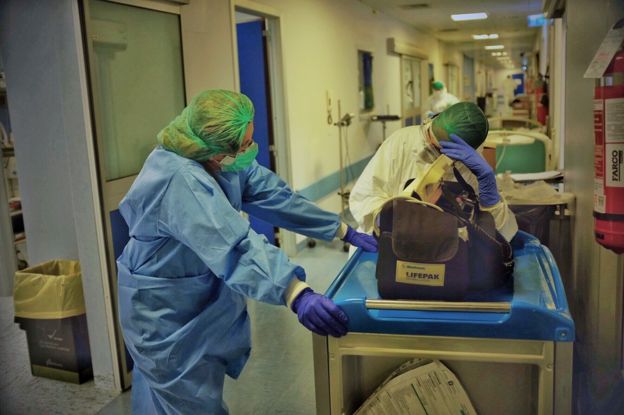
<point>521,150</point>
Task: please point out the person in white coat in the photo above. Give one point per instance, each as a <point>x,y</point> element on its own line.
<point>406,154</point>
<point>440,100</point>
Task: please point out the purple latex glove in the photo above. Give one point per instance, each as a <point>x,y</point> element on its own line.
<point>361,240</point>
<point>458,149</point>
<point>319,314</point>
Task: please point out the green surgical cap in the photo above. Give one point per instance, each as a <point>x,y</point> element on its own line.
<point>214,123</point>
<point>437,85</point>
<point>464,119</point>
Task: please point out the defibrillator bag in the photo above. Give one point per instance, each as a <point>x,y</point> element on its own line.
<point>421,255</point>
<point>428,252</point>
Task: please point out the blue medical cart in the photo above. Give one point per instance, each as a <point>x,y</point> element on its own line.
<point>512,350</point>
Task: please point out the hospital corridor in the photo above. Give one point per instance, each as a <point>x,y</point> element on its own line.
<point>297,207</point>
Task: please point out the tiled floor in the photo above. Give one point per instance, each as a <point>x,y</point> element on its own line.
<point>278,379</point>
<point>23,394</point>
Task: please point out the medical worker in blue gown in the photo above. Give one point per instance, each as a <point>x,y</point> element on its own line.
<point>192,259</point>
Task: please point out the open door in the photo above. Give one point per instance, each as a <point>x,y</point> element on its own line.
<point>253,70</point>
<point>264,84</point>
<point>136,86</point>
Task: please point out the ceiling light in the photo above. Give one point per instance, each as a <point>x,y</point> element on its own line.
<point>491,47</point>
<point>483,37</point>
<point>469,16</point>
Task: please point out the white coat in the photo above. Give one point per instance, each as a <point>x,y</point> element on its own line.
<point>406,155</point>
<point>441,100</point>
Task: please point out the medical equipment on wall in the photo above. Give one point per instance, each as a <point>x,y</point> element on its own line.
<point>384,119</point>
<point>609,156</point>
<point>328,105</point>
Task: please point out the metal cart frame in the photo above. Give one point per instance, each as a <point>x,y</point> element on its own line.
<point>553,361</point>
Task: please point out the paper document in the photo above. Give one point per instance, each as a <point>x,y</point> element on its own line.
<point>544,175</point>
<point>608,48</point>
<point>419,388</point>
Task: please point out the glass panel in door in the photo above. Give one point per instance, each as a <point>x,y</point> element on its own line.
<point>140,87</point>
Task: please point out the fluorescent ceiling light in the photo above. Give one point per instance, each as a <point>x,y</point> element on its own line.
<point>483,37</point>
<point>499,53</point>
<point>492,47</point>
<point>469,16</point>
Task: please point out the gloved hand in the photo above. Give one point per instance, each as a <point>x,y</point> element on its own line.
<point>319,314</point>
<point>459,150</point>
<point>361,240</point>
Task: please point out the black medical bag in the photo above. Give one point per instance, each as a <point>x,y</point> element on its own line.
<point>440,252</point>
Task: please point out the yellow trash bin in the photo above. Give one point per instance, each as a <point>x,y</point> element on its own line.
<point>49,306</point>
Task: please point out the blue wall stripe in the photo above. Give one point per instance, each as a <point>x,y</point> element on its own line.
<point>331,183</point>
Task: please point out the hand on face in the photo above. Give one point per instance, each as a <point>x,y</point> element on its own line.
<point>457,149</point>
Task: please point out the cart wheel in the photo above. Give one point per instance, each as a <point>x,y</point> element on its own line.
<point>311,243</point>
<point>345,247</point>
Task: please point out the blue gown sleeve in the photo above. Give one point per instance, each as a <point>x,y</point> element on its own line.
<point>195,211</point>
<point>268,197</point>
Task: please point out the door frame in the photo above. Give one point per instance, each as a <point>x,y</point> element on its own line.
<point>110,193</point>
<point>416,111</point>
<point>277,90</point>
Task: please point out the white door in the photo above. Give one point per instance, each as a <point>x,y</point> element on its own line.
<point>134,55</point>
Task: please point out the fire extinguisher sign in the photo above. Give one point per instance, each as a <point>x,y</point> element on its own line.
<point>614,142</point>
<point>614,161</point>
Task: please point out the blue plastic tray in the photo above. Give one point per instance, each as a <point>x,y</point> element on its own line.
<point>539,309</point>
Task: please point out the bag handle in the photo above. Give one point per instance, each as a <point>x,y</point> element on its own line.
<point>433,174</point>
<point>410,199</point>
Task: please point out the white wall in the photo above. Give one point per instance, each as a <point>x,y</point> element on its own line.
<point>479,79</point>
<point>597,280</point>
<point>46,89</point>
<point>207,46</point>
<point>320,42</point>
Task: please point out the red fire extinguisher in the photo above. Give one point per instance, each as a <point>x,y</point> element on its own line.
<point>609,156</point>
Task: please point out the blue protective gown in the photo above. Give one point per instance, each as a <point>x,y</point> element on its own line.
<point>184,275</point>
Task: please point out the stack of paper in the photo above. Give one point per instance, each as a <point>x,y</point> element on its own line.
<point>420,386</point>
<point>544,175</point>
